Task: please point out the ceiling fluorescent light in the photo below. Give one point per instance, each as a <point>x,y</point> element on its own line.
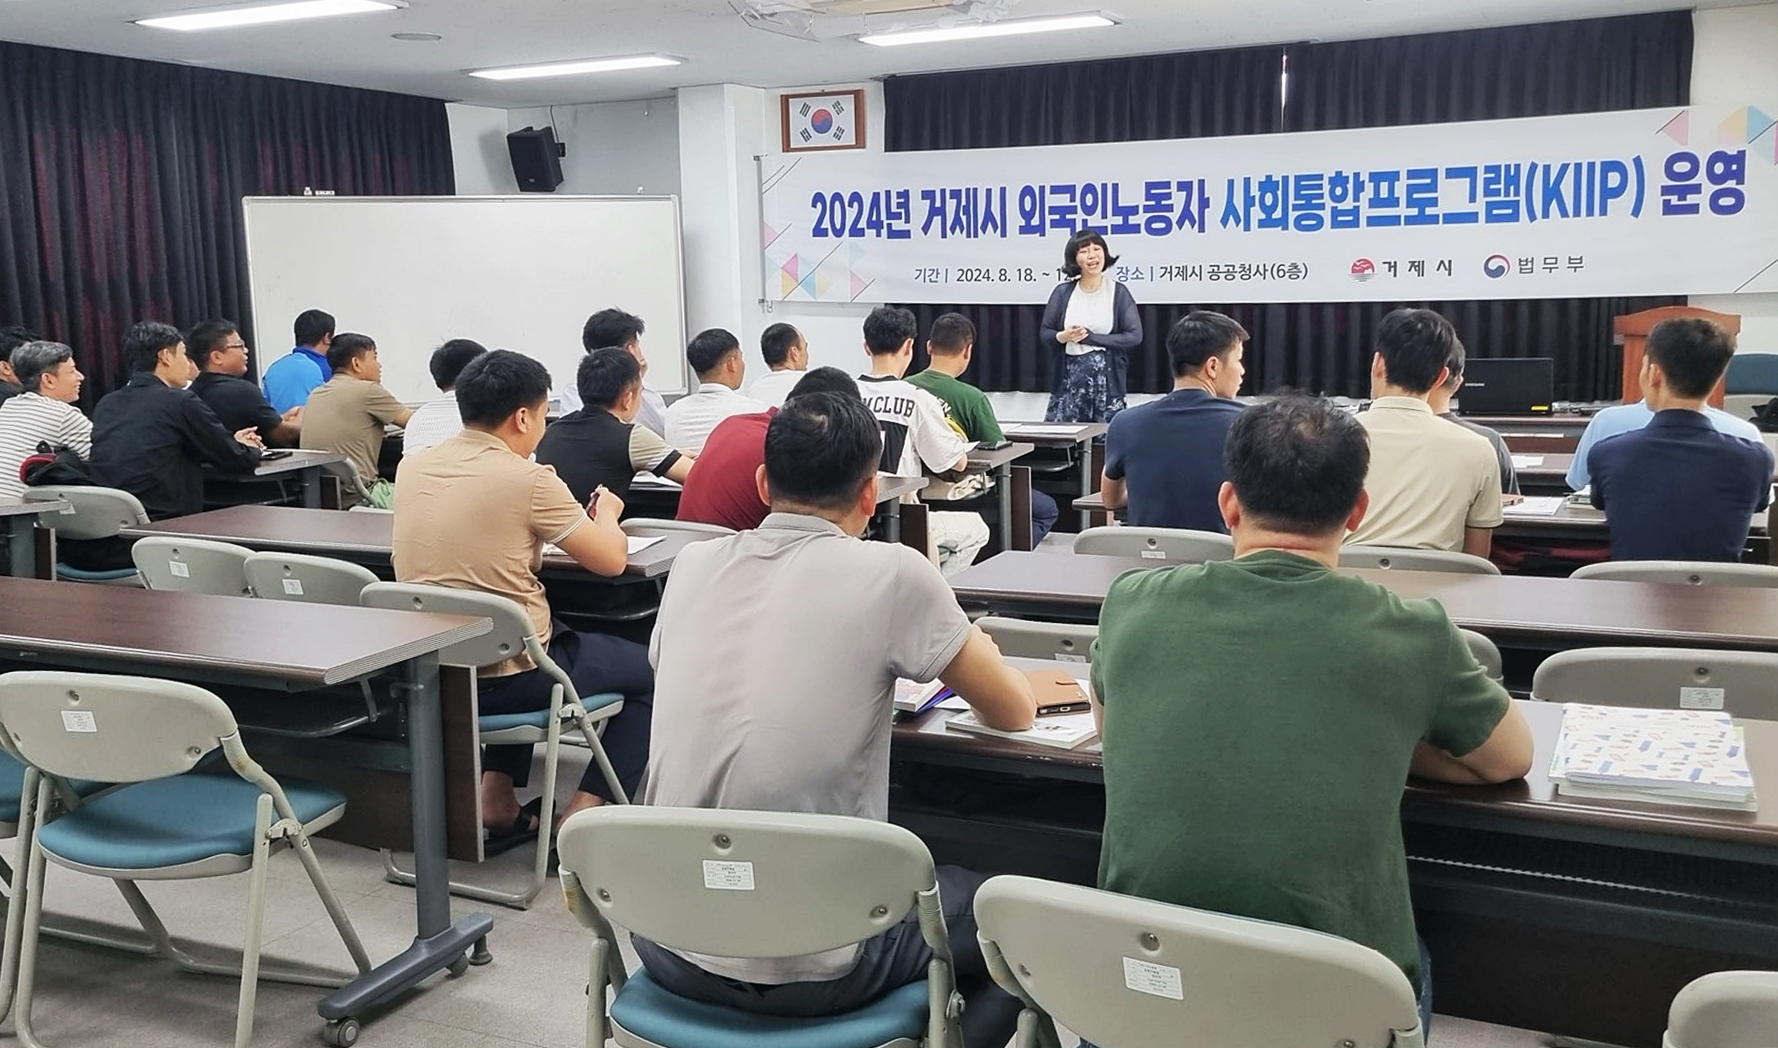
<point>986,30</point>
<point>263,14</point>
<point>591,65</point>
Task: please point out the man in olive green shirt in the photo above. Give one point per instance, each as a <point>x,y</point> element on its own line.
<point>347,413</point>
<point>951,345</point>
<point>1260,715</point>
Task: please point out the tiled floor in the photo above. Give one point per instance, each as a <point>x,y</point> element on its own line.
<point>531,995</point>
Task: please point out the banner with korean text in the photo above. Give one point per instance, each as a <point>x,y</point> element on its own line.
<point>1643,202</point>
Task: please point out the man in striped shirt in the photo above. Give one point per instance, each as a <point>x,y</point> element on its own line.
<point>43,412</point>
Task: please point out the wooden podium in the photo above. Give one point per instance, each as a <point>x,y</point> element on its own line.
<point>1631,332</point>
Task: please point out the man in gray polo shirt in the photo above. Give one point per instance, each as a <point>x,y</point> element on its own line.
<point>776,652</point>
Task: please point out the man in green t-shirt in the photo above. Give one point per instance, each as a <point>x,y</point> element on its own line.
<point>951,344</point>
<point>1260,715</point>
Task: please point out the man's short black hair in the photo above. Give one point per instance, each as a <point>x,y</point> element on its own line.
<point>610,327</point>
<point>1692,352</point>
<point>1200,335</point>
<point>143,342</point>
<point>348,347</point>
<point>951,334</point>
<point>449,360</point>
<point>1081,239</point>
<point>312,326</point>
<point>1297,464</point>
<point>13,337</point>
<point>495,385</point>
<point>776,342</point>
<point>605,375</point>
<point>821,450</point>
<point>708,349</point>
<point>1416,344</point>
<point>825,380</point>
<point>206,338</point>
<point>888,328</point>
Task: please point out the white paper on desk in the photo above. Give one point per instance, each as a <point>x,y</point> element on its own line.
<point>650,480</point>
<point>637,545</point>
<point>1527,461</point>
<point>1029,429</point>
<point>1535,506</point>
<point>952,702</point>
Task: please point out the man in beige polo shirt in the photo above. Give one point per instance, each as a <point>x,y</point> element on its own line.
<point>1432,485</point>
<point>347,413</point>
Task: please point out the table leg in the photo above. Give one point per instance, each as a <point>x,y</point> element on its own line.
<point>892,522</point>
<point>1086,480</point>
<point>438,944</point>
<point>309,478</point>
<point>21,546</point>
<point>1003,480</point>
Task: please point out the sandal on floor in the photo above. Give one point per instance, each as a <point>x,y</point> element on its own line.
<point>522,831</point>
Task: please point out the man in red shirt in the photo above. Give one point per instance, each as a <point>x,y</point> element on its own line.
<point>723,486</point>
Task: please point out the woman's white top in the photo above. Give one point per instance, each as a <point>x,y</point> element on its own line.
<point>1094,310</point>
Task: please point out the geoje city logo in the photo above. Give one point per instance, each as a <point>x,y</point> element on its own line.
<point>1497,266</point>
<point>1363,270</point>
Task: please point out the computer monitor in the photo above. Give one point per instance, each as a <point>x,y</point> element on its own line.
<point>1507,386</point>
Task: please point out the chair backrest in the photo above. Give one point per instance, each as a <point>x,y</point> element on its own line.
<point>192,565</point>
<point>512,634</point>
<point>744,883</point>
<point>310,580</point>
<point>1388,557</point>
<point>1742,683</point>
<point>93,512</point>
<point>1133,973</point>
<point>352,486</point>
<point>1752,373</point>
<point>1062,641</point>
<point>1725,1010</point>
<point>1485,652</point>
<point>110,728</point>
<point>1173,544</point>
<point>630,524</point>
<point>1681,572</point>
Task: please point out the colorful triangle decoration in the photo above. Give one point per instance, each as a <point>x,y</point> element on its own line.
<point>786,285</point>
<point>1733,131</point>
<point>858,286</point>
<point>810,286</point>
<point>1758,123</point>
<point>792,267</point>
<point>1766,145</point>
<point>1679,128</point>
<point>822,286</point>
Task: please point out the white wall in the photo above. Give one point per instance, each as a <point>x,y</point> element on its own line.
<point>1733,66</point>
<point>478,150</point>
<point>614,148</point>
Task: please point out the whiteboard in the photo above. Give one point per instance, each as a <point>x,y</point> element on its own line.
<point>520,273</point>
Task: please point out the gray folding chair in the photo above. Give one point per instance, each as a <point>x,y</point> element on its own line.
<point>167,823</point>
<point>1485,652</point>
<point>1061,641</point>
<point>1681,572</point>
<point>1741,683</point>
<point>1725,1010</point>
<point>800,883</point>
<point>511,635</point>
<point>92,513</point>
<point>309,580</point>
<point>661,524</point>
<point>192,565</point>
<point>1391,558</point>
<point>1132,973</point>
<point>1172,544</point>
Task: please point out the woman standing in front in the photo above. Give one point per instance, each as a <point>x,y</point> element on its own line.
<point>1090,326</point>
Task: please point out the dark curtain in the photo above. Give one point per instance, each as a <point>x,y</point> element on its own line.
<point>121,185</point>
<point>1566,67</point>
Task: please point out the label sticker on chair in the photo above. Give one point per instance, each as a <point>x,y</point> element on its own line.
<point>79,720</point>
<point>1156,980</point>
<point>293,587</point>
<point>728,876</point>
<point>1062,656</point>
<point>179,570</point>
<point>1701,698</point>
<point>1154,554</point>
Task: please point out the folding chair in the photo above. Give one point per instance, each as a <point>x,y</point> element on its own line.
<point>808,883</point>
<point>512,634</point>
<point>1132,973</point>
<point>1172,544</point>
<point>1681,572</point>
<point>309,580</point>
<point>662,524</point>
<point>1485,652</point>
<point>1743,683</point>
<point>93,513</point>
<point>166,823</point>
<point>1061,641</point>
<point>1725,1010</point>
<point>192,565</point>
<point>1391,558</point>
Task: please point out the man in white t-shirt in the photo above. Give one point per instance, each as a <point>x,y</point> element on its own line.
<point>786,353</point>
<point>614,327</point>
<point>715,355</point>
<point>916,436</point>
<point>437,421</point>
<point>43,412</point>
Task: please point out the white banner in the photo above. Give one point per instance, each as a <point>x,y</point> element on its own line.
<point>1645,202</point>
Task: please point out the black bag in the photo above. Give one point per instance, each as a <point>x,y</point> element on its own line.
<point>60,465</point>
<point>1765,417</point>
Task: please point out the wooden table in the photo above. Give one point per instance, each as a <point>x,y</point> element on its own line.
<point>297,650</point>
<point>1068,435</point>
<point>1535,434</point>
<point>1575,916</point>
<point>1548,476</point>
<point>304,467</point>
<point>1014,490</point>
<point>27,526</point>
<point>890,490</point>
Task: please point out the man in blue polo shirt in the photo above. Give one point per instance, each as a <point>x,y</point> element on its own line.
<point>293,376</point>
<point>1626,417</point>
<point>1163,461</point>
<point>1677,489</point>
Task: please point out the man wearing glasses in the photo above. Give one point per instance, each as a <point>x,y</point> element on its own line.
<point>219,351</point>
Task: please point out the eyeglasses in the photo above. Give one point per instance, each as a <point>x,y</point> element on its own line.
<point>235,345</point>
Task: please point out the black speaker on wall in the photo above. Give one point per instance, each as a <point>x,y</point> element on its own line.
<point>536,159</point>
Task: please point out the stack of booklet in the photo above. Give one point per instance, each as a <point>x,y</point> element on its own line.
<point>1691,757</point>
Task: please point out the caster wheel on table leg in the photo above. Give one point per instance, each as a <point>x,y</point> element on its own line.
<point>341,1033</point>
<point>479,954</point>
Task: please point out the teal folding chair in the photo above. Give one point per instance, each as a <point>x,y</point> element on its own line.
<point>166,822</point>
<point>92,513</point>
<point>512,633</point>
<point>1725,1010</point>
